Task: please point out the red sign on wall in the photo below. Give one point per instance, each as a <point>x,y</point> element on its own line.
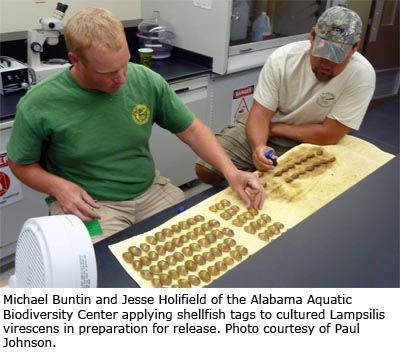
<point>248,90</point>
<point>10,186</point>
<point>4,183</point>
<point>3,160</point>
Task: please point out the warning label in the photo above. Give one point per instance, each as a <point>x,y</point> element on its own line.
<point>248,90</point>
<point>3,160</point>
<point>242,100</point>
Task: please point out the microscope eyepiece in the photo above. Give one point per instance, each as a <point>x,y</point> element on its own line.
<point>60,10</point>
<point>62,7</point>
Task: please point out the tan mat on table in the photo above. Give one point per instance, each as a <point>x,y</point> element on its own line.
<point>199,245</point>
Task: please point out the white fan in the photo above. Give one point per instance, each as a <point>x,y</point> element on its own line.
<point>54,251</point>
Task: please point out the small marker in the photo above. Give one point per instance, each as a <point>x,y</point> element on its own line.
<point>181,209</point>
<point>270,155</point>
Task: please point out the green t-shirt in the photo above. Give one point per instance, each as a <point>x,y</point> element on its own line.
<point>97,140</point>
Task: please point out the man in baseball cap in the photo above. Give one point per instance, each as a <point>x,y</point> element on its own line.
<point>312,91</point>
<point>337,31</point>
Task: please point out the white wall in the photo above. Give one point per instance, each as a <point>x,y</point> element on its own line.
<point>22,15</point>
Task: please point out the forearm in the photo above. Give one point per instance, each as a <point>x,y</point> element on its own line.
<point>257,126</point>
<point>72,199</point>
<point>327,133</point>
<point>309,133</point>
<point>257,132</point>
<point>203,142</point>
<point>34,176</point>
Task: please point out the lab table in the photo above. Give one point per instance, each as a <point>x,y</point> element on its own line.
<point>351,242</point>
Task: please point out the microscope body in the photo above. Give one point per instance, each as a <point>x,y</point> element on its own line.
<point>50,33</point>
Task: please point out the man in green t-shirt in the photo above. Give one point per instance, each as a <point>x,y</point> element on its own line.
<point>82,135</point>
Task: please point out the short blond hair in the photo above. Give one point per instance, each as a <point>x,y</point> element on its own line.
<point>93,25</point>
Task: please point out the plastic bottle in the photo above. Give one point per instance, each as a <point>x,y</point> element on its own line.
<point>239,20</point>
<point>261,28</point>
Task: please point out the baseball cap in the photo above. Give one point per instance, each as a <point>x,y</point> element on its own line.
<point>337,30</point>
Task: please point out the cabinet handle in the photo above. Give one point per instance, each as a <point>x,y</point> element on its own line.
<point>246,50</point>
<point>180,91</point>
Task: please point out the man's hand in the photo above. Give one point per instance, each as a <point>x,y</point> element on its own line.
<point>76,201</point>
<point>260,161</point>
<point>203,142</point>
<point>248,187</point>
<point>72,198</point>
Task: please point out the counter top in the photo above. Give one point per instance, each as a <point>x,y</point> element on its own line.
<point>334,247</point>
<point>181,65</point>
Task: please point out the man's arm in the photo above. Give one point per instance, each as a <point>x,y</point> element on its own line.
<point>258,132</point>
<point>329,132</point>
<point>259,128</point>
<point>203,142</point>
<point>73,199</point>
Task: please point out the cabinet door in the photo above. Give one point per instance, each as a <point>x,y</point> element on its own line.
<point>13,216</point>
<point>173,158</point>
<point>232,95</point>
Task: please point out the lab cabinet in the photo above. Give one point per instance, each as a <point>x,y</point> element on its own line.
<point>173,158</point>
<point>13,215</point>
<point>232,96</point>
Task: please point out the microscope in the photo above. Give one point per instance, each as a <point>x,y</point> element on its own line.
<point>50,32</point>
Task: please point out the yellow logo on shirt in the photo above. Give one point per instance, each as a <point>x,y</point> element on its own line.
<point>140,114</point>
